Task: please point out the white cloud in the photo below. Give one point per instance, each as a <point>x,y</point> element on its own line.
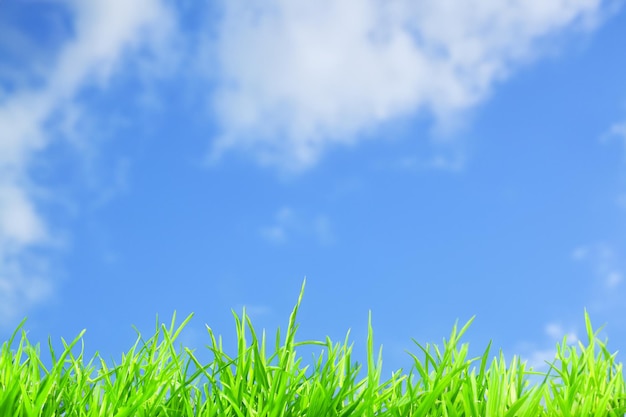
<point>607,270</point>
<point>453,163</point>
<point>103,31</point>
<point>287,224</point>
<point>539,358</point>
<point>621,200</point>
<point>607,266</point>
<point>283,222</point>
<point>323,231</point>
<point>556,332</point>
<point>22,282</point>
<point>613,279</point>
<point>275,234</point>
<point>254,310</point>
<point>120,182</point>
<point>19,221</point>
<point>298,76</point>
<point>617,131</point>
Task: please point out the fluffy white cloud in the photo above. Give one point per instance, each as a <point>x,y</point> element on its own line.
<point>297,76</point>
<point>19,222</point>
<point>103,31</point>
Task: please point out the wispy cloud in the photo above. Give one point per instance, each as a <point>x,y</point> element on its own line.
<point>288,224</point>
<point>298,77</point>
<point>608,272</point>
<point>607,266</point>
<point>452,160</point>
<point>284,220</point>
<point>253,310</point>
<point>618,130</point>
<point>103,31</point>
<point>538,358</point>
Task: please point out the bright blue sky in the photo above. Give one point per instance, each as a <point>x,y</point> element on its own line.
<point>425,160</point>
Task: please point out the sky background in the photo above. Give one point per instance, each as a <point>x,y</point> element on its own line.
<point>427,160</point>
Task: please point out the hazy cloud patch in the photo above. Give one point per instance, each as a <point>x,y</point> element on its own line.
<point>102,33</point>
<point>23,283</point>
<point>605,262</point>
<point>556,332</point>
<point>284,222</point>
<point>254,310</point>
<point>538,358</point>
<point>288,224</point>
<point>617,132</point>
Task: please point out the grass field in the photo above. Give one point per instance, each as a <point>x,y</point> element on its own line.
<point>156,379</point>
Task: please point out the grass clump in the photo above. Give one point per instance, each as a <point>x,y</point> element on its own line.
<point>156,380</point>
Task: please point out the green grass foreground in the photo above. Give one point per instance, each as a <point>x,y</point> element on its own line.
<point>154,379</point>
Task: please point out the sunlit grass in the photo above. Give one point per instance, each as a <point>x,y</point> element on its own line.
<point>156,379</point>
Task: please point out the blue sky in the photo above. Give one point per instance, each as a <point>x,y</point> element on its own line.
<point>425,160</point>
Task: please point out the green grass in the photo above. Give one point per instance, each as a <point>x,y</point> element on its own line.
<point>156,379</point>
